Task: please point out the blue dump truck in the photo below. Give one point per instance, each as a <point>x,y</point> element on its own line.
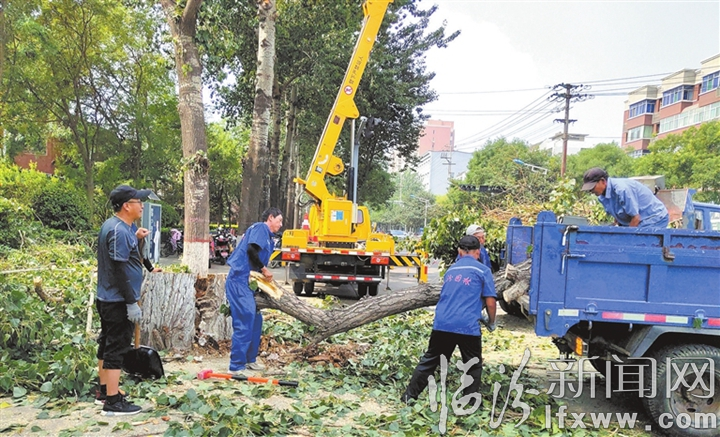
<point>642,306</point>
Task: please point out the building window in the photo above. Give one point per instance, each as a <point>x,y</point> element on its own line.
<point>638,153</point>
<point>690,117</point>
<point>710,82</point>
<point>681,93</point>
<point>640,132</point>
<point>640,108</point>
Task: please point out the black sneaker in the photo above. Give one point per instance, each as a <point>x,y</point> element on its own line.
<point>101,396</point>
<point>120,408</point>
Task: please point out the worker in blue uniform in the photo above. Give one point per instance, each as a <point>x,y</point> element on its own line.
<point>631,203</point>
<point>467,284</point>
<point>478,232</point>
<point>252,253</point>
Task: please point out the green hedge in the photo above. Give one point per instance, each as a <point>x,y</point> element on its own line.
<point>60,206</point>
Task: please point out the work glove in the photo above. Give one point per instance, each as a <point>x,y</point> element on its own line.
<point>134,312</point>
<point>484,318</point>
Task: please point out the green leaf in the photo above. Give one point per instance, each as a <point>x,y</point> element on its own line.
<point>19,392</point>
<point>46,387</point>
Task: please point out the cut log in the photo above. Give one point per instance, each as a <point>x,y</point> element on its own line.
<point>513,282</point>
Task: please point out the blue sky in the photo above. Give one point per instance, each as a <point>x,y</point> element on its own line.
<point>510,52</point>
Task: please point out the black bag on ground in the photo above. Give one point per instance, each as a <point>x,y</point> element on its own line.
<point>143,361</point>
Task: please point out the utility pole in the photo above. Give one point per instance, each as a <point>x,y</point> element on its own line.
<point>568,93</point>
<point>447,157</point>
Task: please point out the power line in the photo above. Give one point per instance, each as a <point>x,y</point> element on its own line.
<point>492,91</point>
<point>598,82</point>
<point>530,106</point>
<point>590,82</point>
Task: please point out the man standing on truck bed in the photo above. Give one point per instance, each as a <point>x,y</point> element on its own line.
<point>629,201</point>
<point>467,283</point>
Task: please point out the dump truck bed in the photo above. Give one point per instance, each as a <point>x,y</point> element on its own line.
<point>614,274</point>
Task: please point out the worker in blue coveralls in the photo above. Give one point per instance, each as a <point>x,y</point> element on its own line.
<point>478,232</point>
<point>252,253</point>
<point>629,201</point>
<point>466,285</point>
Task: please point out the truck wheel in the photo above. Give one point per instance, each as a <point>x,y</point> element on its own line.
<point>684,409</point>
<point>373,289</point>
<point>362,289</point>
<point>309,288</point>
<point>298,288</point>
<point>512,308</point>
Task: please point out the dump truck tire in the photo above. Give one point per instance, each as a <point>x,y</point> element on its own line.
<point>686,412</point>
<point>298,288</point>
<point>512,308</point>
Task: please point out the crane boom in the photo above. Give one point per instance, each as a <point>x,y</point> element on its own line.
<point>324,161</point>
<point>337,244</point>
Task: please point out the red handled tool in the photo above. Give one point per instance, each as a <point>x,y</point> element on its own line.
<point>205,374</point>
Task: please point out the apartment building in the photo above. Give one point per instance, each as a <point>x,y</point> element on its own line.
<point>686,98</point>
<point>437,136</point>
<point>437,169</point>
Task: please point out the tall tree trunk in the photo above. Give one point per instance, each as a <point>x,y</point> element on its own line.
<point>287,171</point>
<point>274,163</point>
<point>254,193</point>
<point>194,140</point>
<point>3,5</point>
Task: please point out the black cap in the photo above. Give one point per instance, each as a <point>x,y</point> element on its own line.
<point>123,193</point>
<point>592,177</point>
<point>469,242</point>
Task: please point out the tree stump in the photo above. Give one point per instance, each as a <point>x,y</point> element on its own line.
<point>168,304</point>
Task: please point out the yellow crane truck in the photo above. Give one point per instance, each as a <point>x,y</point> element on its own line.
<point>339,245</point>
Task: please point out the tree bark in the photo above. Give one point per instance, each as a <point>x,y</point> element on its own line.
<point>364,311</point>
<point>194,140</point>
<point>287,169</point>
<point>273,170</point>
<point>255,195</point>
<point>168,304</point>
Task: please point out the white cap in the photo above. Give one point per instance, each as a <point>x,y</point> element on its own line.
<point>474,229</point>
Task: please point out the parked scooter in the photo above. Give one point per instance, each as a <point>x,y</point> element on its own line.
<point>174,244</point>
<point>223,243</point>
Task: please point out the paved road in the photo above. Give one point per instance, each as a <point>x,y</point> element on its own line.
<point>400,278</point>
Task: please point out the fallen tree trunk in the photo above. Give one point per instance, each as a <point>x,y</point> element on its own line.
<point>364,311</point>
<point>169,307</point>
